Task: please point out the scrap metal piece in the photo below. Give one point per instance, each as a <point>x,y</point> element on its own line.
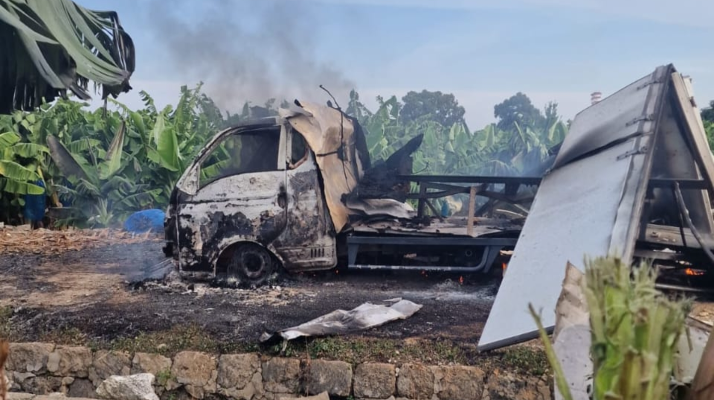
<point>703,381</point>
<point>590,203</point>
<point>596,203</point>
<point>365,316</point>
<point>571,337</point>
<point>337,143</point>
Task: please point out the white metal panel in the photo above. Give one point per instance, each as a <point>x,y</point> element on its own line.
<point>568,200</point>
<point>612,119</point>
<point>584,207</point>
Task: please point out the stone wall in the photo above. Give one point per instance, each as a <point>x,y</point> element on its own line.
<point>41,368</point>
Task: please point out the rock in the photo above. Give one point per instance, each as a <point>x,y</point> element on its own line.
<point>458,382</point>
<point>42,384</point>
<point>134,387</point>
<point>66,381</point>
<point>503,385</point>
<point>108,363</point>
<point>70,361</point>
<point>237,375</point>
<point>29,357</point>
<point>196,371</point>
<point>254,389</point>
<point>19,396</point>
<point>82,388</point>
<point>154,364</point>
<point>236,370</point>
<point>333,377</point>
<point>321,396</point>
<point>9,379</point>
<point>375,381</point>
<point>415,381</point>
<point>18,378</point>
<point>55,396</point>
<point>281,375</point>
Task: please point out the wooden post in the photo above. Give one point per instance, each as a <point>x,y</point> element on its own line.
<point>472,207</point>
<point>422,199</point>
<point>703,384</point>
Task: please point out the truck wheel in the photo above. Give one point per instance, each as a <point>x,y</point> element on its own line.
<point>251,264</point>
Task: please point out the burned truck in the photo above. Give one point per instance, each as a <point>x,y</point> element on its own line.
<point>298,192</point>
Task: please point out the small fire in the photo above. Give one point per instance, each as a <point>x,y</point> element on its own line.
<point>693,272</point>
<point>461,280</point>
<point>504,266</point>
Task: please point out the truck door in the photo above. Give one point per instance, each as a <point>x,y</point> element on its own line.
<point>240,196</point>
<point>308,242</point>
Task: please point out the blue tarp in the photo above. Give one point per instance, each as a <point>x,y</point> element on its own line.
<point>144,221</point>
<point>35,204</point>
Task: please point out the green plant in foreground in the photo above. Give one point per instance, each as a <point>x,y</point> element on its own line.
<point>634,328</point>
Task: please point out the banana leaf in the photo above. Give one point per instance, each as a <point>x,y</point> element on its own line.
<point>113,155</point>
<point>64,159</point>
<point>18,187</point>
<point>49,47</point>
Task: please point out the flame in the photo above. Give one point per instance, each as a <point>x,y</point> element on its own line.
<point>504,266</point>
<point>693,272</point>
<point>461,280</point>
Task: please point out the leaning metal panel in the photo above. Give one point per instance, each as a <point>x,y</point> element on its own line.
<point>585,205</point>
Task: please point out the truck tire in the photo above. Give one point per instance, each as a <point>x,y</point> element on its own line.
<point>251,264</point>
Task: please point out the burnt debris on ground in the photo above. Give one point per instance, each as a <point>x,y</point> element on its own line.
<point>88,294</point>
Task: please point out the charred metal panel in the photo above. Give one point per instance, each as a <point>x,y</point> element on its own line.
<point>339,147</point>
<point>590,203</point>
<point>330,136</point>
<point>672,163</point>
<point>308,241</point>
<point>236,208</point>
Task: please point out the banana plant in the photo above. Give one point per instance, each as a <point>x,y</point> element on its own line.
<point>16,178</point>
<point>635,330</point>
<point>50,47</point>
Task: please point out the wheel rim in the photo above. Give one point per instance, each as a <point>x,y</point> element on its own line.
<point>254,264</point>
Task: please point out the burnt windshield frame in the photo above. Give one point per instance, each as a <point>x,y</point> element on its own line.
<point>264,153</point>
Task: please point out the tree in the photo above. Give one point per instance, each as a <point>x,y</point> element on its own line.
<point>708,113</point>
<point>708,120</point>
<point>49,47</point>
<point>442,108</point>
<point>519,109</point>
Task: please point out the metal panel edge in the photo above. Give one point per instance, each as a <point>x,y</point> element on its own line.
<point>629,213</point>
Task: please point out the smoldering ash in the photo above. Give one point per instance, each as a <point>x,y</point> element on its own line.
<point>246,50</point>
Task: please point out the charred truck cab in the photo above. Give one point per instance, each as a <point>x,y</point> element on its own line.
<point>250,200</point>
<point>297,190</point>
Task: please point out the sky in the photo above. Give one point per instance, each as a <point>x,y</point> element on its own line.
<point>482,51</point>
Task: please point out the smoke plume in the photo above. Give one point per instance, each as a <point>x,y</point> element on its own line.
<point>246,51</point>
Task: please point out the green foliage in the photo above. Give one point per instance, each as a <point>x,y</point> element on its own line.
<point>454,149</point>
<point>518,109</point>
<point>105,164</point>
<point>709,127</point>
<point>708,113</point>
<point>440,107</point>
<point>49,47</point>
<point>635,330</point>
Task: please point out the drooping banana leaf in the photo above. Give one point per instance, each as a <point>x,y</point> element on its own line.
<point>49,47</point>
<point>113,155</point>
<point>64,159</point>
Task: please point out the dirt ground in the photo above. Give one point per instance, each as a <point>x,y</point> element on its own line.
<point>109,292</point>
